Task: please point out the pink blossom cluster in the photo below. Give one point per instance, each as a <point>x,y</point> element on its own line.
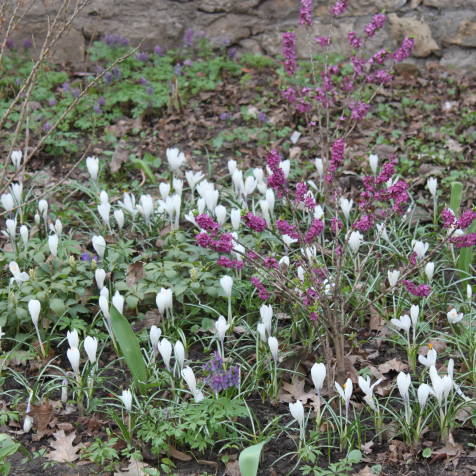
<point>277,179</point>
<point>289,53</point>
<point>405,50</point>
<point>222,244</point>
<point>316,228</point>
<point>464,241</point>
<point>450,221</point>
<point>227,262</point>
<point>286,228</point>
<point>255,222</point>
<point>377,23</point>
<point>305,14</point>
<point>422,290</point>
<point>263,293</point>
<point>339,8</point>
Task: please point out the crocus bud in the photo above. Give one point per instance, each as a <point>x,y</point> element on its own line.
<point>43,208</point>
<point>235,216</point>
<point>53,244</point>
<point>189,377</point>
<point>104,306</point>
<point>118,301</point>
<point>355,240</point>
<point>318,375</point>
<point>226,283</point>
<point>16,158</point>
<point>100,276</point>
<point>423,392</point>
<point>64,390</point>
<point>261,328</point>
<point>164,300</point>
<point>7,201</point>
<point>469,292</point>
<point>73,338</point>
<point>99,245</point>
<point>27,423</point>
<point>154,336</point>
<point>414,313</point>
<point>11,228</point>
<point>165,350</point>
<point>393,277</point>
<point>104,210</point>
<point>373,162</point>
<point>91,347</point>
<point>266,313</point>
<point>319,166</point>
<point>403,382</point>
<point>73,357</point>
<point>119,217</point>
<point>24,234</point>
<point>221,326</point>
<point>273,347</point>
<point>34,307</point>
<point>92,164</point>
<point>220,213</point>
<point>432,184</point>
<point>297,411</point>
<point>179,353</point>
<point>346,206</point>
<point>126,398</point>
<point>429,270</point>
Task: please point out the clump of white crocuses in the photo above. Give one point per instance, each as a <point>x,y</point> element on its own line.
<point>409,325</point>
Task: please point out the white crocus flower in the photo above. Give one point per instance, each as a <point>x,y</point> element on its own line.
<point>119,217</point>
<point>346,206</point>
<point>373,162</point>
<point>118,302</point>
<point>318,375</point>
<point>297,412</point>
<point>16,190</point>
<point>231,166</point>
<point>104,210</point>
<point>226,283</point>
<point>146,207</point>
<point>393,277</point>
<point>91,347</point>
<point>7,201</point>
<point>288,241</point>
<point>154,337</point>
<point>432,184</point>
<point>403,383</point>
<point>319,164</point>
<point>175,158</point>
<point>24,234</point>
<point>164,190</point>
<point>235,216</point>
<point>179,353</point>
<point>345,392</point>
<point>441,385</point>
<point>53,244</point>
<point>16,157</point>
<point>273,347</point>
<point>74,357</point>
<point>178,186</point>
<point>92,164</point>
<point>165,350</point>
<point>129,204</point>
<point>221,327</point>
<point>454,316</point>
<point>99,245</point>
<point>104,306</point>
<point>414,314</point>
<point>266,313</point>
<point>423,392</point>
<point>271,199</point>
<point>126,398</point>
<point>11,225</point>
<point>382,231</point>
<point>193,178</point>
<point>43,208</point>
<point>420,248</point>
<point>73,338</point>
<point>355,241</point>
<point>189,377</point>
<point>34,308</point>
<point>220,213</point>
<point>164,300</point>
<point>429,270</point>
<point>18,276</point>
<point>285,166</point>
<point>261,328</point>
<point>100,276</point>
<point>403,323</point>
<point>430,359</point>
<point>368,391</point>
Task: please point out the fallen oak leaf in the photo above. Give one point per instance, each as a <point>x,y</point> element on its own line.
<point>295,391</point>
<point>135,468</point>
<point>394,364</point>
<point>64,451</point>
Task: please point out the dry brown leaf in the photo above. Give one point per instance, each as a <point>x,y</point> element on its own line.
<point>394,364</point>
<point>454,146</point>
<point>135,272</point>
<point>376,322</point>
<point>295,391</point>
<point>42,414</point>
<point>232,468</point>
<point>176,454</point>
<point>64,451</point>
<point>120,156</point>
<point>135,468</point>
<point>366,471</point>
<point>367,447</point>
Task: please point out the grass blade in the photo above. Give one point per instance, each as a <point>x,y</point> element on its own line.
<point>129,345</point>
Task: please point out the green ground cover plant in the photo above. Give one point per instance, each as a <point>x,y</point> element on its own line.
<point>310,310</point>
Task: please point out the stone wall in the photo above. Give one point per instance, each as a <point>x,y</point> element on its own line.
<point>443,30</point>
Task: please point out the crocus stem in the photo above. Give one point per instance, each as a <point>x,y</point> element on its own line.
<point>42,348</point>
<point>230,315</point>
